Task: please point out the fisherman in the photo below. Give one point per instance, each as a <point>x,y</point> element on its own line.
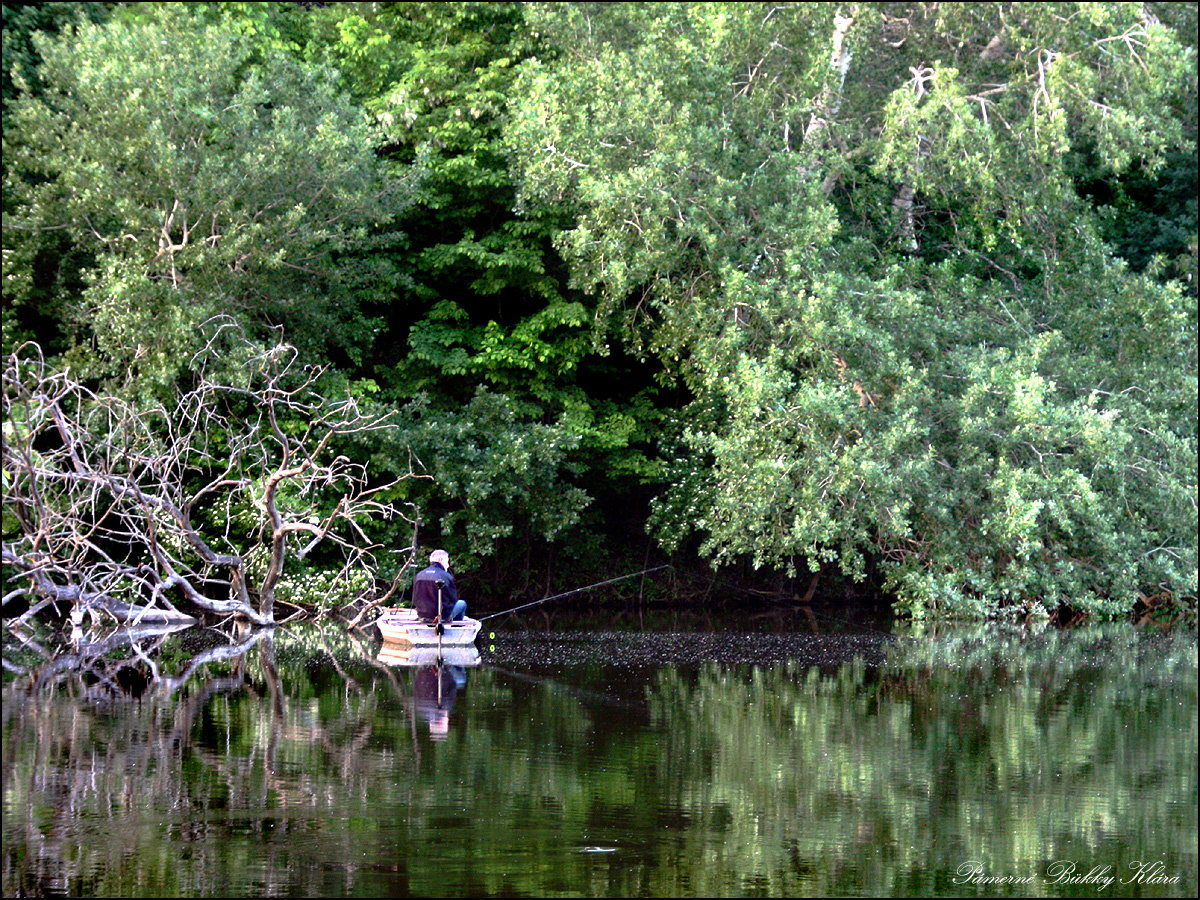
<point>434,580</point>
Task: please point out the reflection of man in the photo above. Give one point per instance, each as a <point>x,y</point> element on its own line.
<point>435,689</point>
<point>434,581</point>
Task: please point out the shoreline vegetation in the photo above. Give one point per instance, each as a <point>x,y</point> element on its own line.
<point>890,304</point>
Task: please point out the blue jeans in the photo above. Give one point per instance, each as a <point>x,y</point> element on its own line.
<point>460,610</point>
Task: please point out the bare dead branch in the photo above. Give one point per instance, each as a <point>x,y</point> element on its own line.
<point>118,508</point>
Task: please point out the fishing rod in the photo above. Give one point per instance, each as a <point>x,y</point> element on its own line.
<point>575,591</point>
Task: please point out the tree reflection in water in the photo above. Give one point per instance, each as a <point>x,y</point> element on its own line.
<point>310,762</point>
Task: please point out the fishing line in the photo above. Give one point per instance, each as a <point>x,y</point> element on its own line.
<point>575,591</point>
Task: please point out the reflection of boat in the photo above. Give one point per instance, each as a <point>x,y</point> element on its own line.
<point>435,689</point>
<point>439,673</point>
<point>403,626</point>
<point>395,654</point>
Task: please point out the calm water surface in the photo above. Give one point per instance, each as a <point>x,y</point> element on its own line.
<point>744,758</point>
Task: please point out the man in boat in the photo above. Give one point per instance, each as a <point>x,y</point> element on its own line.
<point>426,588</point>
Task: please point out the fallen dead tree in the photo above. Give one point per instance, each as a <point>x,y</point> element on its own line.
<point>124,509</point>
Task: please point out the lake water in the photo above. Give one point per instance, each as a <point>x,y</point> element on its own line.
<point>748,757</point>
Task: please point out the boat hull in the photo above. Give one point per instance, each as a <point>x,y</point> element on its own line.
<point>402,626</point>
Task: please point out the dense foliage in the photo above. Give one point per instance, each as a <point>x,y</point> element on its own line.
<point>904,292</point>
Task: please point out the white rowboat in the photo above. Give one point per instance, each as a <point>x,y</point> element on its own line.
<point>403,626</point>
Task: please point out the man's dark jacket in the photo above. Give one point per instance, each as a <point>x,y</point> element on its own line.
<point>425,592</point>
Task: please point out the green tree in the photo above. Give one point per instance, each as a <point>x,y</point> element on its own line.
<point>855,233</point>
<point>22,21</point>
<point>34,272</point>
<point>194,174</point>
<point>515,413</point>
